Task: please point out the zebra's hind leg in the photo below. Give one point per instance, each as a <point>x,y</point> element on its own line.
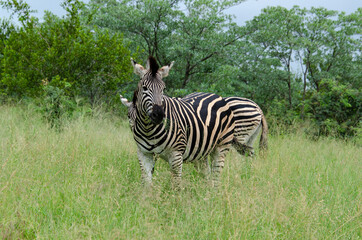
<point>147,164</point>
<point>217,161</point>
<point>246,146</point>
<point>252,138</point>
<point>243,149</point>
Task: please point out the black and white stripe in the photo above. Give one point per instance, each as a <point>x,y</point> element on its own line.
<point>249,121</point>
<point>248,118</point>
<point>178,130</point>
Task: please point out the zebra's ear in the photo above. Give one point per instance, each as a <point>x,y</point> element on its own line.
<point>125,101</point>
<point>138,68</point>
<point>165,69</point>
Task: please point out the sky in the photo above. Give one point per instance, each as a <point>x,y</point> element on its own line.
<point>243,12</point>
<point>247,10</point>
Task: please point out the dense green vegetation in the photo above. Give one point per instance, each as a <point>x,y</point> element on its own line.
<point>84,183</point>
<point>297,64</point>
<point>84,62</point>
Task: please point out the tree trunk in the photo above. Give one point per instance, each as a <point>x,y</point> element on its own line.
<point>289,82</point>
<point>290,92</point>
<point>187,75</point>
<point>304,93</point>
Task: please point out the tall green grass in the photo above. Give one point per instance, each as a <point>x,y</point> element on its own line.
<point>84,182</point>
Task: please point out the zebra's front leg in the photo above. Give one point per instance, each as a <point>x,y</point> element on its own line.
<point>147,164</point>
<point>175,161</point>
<point>217,161</point>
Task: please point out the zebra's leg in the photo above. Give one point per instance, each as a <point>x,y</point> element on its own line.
<point>244,149</point>
<point>240,147</point>
<point>251,141</point>
<point>245,146</point>
<point>217,162</point>
<point>175,161</point>
<point>203,166</point>
<point>147,164</point>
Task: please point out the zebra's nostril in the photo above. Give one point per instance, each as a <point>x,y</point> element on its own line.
<point>157,114</point>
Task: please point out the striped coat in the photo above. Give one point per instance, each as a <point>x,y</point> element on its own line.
<point>248,118</point>
<point>178,130</point>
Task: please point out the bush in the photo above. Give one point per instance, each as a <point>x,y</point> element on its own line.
<point>94,63</point>
<point>56,106</point>
<point>280,118</point>
<point>335,109</point>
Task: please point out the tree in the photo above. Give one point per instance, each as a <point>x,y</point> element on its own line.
<point>191,36</point>
<point>6,28</point>
<point>275,30</point>
<point>328,48</point>
<point>329,44</point>
<point>21,8</point>
<point>324,42</point>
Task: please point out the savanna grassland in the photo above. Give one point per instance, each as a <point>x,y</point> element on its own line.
<point>83,182</point>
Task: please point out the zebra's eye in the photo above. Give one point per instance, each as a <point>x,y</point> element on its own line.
<point>144,88</point>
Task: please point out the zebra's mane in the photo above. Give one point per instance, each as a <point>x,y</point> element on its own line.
<point>134,99</point>
<point>153,65</point>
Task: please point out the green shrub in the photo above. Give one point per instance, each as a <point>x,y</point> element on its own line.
<point>335,109</point>
<point>94,62</point>
<point>56,106</point>
<point>280,118</point>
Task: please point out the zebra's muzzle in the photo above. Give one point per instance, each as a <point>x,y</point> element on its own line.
<point>157,114</point>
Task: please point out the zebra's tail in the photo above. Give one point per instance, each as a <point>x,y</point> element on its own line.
<point>264,135</point>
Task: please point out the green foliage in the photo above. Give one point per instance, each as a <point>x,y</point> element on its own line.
<point>281,119</point>
<point>336,109</point>
<point>94,62</point>
<point>6,28</point>
<point>19,7</point>
<point>191,37</point>
<point>56,106</point>
<point>90,48</point>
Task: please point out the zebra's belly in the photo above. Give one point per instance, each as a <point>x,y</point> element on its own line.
<point>165,151</point>
<point>197,151</point>
<point>168,154</point>
<point>191,145</point>
<point>162,146</point>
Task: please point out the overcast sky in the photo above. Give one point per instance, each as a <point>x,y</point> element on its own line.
<point>247,10</point>
<point>243,12</point>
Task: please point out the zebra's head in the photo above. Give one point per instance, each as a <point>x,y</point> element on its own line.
<point>150,89</point>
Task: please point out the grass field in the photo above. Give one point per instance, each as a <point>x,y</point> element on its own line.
<point>84,183</point>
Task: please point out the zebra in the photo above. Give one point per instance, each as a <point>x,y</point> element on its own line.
<point>131,114</point>
<point>249,121</point>
<point>178,130</point>
<point>248,117</point>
